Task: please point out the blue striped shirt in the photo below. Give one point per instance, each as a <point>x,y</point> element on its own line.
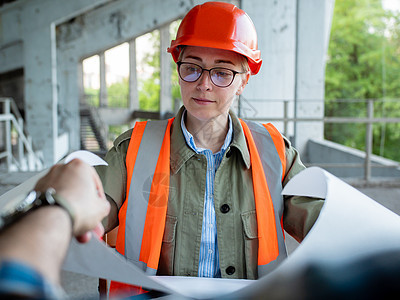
<point>20,281</point>
<point>209,257</point>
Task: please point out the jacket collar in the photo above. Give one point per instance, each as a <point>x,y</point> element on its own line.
<point>181,152</point>
<point>239,139</point>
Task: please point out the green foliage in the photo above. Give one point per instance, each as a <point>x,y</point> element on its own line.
<point>363,63</point>
<point>148,84</point>
<point>175,88</point>
<point>113,132</point>
<point>92,97</point>
<point>118,94</point>
<point>149,94</point>
<point>149,87</point>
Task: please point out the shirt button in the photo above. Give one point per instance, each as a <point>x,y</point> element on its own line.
<point>225,208</point>
<point>210,251</point>
<point>230,270</point>
<point>229,153</point>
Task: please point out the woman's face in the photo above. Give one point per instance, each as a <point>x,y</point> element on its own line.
<point>202,99</point>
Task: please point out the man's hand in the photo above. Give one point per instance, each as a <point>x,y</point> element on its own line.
<point>79,184</point>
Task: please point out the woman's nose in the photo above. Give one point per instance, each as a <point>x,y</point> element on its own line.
<point>204,82</point>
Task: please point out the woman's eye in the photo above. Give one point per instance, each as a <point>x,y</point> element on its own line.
<point>223,73</point>
<point>192,69</point>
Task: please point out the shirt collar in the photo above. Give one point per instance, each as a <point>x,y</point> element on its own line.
<point>181,152</point>
<point>190,140</point>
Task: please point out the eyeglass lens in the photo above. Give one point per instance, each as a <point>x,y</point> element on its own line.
<point>219,76</point>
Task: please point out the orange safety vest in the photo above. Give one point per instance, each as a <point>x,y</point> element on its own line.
<point>148,156</point>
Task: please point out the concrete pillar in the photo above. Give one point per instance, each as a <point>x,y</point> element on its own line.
<point>165,72</point>
<point>293,38</point>
<point>133,86</point>
<point>96,30</point>
<point>11,31</point>
<point>30,42</point>
<point>70,94</point>
<point>41,86</point>
<point>103,81</point>
<point>275,24</point>
<point>313,21</point>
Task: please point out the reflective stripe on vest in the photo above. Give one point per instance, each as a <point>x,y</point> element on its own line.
<point>136,239</point>
<point>267,137</point>
<point>145,206</point>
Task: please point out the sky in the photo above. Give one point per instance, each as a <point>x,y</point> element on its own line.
<point>391,4</point>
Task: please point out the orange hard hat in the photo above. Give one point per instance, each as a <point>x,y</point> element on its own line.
<point>219,25</point>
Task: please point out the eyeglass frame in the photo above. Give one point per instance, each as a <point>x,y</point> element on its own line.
<point>179,63</point>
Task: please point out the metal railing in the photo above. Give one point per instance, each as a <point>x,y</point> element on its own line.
<point>369,120</point>
<point>26,158</point>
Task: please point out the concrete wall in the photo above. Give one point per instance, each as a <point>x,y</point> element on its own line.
<point>98,30</point>
<point>49,39</point>
<point>12,85</point>
<point>28,41</point>
<point>322,152</point>
<point>293,39</point>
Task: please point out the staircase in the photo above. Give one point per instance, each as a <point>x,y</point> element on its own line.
<point>16,149</point>
<point>93,136</point>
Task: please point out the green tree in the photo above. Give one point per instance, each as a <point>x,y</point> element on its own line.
<point>148,84</point>
<point>363,64</point>
<point>149,87</point>
<point>118,93</point>
<point>92,96</point>
<point>175,88</point>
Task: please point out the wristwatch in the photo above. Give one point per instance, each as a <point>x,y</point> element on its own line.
<point>33,201</point>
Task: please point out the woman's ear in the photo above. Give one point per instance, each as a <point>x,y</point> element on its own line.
<point>245,79</point>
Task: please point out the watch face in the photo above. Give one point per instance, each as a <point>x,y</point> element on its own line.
<point>18,206</point>
<point>27,202</point>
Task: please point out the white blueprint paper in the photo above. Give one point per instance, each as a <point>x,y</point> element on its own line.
<point>87,157</point>
<point>19,192</point>
<point>350,226</point>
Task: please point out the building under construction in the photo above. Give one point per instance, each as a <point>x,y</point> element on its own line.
<point>46,112</point>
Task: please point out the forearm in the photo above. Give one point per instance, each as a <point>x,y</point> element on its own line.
<point>294,165</point>
<point>111,221</point>
<point>300,213</point>
<point>40,240</point>
<point>114,178</point>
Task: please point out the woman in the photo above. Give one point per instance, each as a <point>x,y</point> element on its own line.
<point>199,195</point>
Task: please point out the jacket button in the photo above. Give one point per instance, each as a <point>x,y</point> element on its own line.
<point>230,270</point>
<point>229,153</point>
<point>225,208</point>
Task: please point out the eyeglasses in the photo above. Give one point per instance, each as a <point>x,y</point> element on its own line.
<point>220,77</point>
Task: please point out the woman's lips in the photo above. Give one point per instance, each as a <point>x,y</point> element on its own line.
<point>202,101</point>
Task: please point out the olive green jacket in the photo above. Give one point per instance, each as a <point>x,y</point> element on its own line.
<point>236,231</point>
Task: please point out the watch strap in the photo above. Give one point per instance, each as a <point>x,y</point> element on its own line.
<point>33,201</point>
<point>55,199</point>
